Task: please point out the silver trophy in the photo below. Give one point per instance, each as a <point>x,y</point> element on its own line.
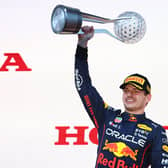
<point>129,27</point>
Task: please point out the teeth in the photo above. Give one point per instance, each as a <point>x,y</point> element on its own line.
<point>130,100</point>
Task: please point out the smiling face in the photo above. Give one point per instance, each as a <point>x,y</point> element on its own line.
<point>135,100</point>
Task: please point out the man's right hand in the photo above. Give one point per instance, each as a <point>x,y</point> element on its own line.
<point>88,33</point>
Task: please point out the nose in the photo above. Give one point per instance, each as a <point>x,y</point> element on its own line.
<point>129,93</point>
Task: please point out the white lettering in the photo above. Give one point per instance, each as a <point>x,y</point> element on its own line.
<point>128,138</point>
<point>164,161</point>
<point>78,79</point>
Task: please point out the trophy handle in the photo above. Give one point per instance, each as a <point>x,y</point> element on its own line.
<point>102,31</point>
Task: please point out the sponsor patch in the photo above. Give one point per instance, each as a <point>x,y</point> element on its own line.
<point>144,127</point>
<point>120,149</point>
<point>165,148</point>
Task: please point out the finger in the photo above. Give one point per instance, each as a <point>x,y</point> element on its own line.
<point>87,29</point>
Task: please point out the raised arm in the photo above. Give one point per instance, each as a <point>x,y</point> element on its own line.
<point>91,99</point>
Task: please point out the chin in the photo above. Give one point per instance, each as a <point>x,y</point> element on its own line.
<point>129,108</point>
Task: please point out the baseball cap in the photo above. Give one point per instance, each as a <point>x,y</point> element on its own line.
<point>139,81</point>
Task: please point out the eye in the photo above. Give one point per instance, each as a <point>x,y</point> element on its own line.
<point>136,91</point>
<point>125,90</point>
<point>132,91</point>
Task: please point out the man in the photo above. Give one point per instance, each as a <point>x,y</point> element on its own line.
<point>127,139</point>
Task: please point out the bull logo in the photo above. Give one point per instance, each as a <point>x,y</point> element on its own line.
<point>120,149</point>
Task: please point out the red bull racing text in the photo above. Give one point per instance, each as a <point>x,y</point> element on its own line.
<point>114,163</point>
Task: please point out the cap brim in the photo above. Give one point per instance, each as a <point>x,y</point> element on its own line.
<point>131,83</point>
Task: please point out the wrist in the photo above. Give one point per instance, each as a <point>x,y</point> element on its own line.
<point>81,53</point>
<point>83,43</point>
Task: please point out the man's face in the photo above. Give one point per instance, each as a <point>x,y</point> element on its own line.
<point>135,100</point>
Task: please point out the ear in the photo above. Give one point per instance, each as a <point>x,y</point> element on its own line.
<point>148,96</point>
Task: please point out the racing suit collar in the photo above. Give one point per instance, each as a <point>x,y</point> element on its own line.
<point>132,117</point>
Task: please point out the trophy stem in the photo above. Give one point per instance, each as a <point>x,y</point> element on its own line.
<point>97,19</point>
<point>93,18</point>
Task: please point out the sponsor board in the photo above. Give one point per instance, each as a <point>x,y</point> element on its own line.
<point>80,135</point>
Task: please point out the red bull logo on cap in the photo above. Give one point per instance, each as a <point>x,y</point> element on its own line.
<point>120,149</point>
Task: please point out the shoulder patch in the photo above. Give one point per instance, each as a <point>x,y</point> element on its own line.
<point>165,148</point>
<point>144,127</point>
<point>105,105</point>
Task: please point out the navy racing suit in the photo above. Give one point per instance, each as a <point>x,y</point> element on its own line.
<point>124,140</point>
